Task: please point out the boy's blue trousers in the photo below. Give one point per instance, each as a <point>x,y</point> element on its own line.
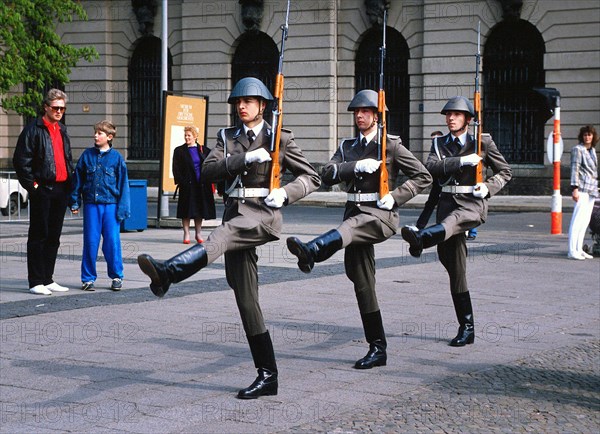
<point>100,219</point>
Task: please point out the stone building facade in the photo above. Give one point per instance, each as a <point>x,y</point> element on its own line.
<point>333,51</point>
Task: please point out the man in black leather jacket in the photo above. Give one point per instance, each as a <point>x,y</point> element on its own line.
<point>44,165</point>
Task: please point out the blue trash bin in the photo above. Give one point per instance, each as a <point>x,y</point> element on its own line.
<point>138,220</point>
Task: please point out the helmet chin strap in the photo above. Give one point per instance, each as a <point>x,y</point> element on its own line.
<point>259,115</point>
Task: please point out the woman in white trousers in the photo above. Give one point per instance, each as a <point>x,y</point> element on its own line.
<point>584,185</point>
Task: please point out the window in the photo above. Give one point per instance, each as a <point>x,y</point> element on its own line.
<point>145,99</point>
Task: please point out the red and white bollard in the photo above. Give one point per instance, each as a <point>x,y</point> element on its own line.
<point>556,209</point>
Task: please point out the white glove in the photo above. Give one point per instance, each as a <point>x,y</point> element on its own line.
<point>480,190</point>
<point>387,202</point>
<point>470,160</point>
<point>257,156</point>
<point>368,165</point>
<point>276,198</point>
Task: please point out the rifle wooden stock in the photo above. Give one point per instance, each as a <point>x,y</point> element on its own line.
<point>384,187</point>
<point>275,179</point>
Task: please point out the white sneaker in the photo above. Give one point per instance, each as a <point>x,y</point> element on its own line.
<point>576,257</point>
<point>55,287</point>
<point>586,255</point>
<point>40,290</point>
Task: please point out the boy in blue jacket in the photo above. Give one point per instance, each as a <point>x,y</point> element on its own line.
<point>101,181</point>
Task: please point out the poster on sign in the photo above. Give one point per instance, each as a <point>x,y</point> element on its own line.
<point>179,111</point>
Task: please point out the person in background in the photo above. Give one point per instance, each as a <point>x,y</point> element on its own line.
<point>101,183</point>
<point>252,217</point>
<point>196,200</point>
<point>368,218</point>
<point>44,164</point>
<point>463,203</point>
<point>584,186</point>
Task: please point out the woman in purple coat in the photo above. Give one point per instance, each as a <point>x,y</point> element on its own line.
<point>196,200</point>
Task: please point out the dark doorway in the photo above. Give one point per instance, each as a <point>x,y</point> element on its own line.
<point>513,64</point>
<point>396,78</point>
<point>257,56</point>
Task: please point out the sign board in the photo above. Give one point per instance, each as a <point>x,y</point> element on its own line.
<point>180,111</point>
<point>550,148</point>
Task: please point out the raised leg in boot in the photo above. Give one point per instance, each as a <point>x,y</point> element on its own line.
<point>176,269</point>
<point>464,313</point>
<point>263,355</point>
<point>317,250</point>
<point>375,335</point>
<point>422,239</point>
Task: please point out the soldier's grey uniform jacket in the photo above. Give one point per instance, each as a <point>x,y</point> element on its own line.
<point>446,168</point>
<point>226,162</point>
<point>341,169</point>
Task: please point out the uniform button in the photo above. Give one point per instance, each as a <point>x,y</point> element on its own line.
<point>245,172</point>
<point>243,200</point>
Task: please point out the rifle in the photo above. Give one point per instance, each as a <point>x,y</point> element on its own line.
<point>477,121</point>
<point>381,124</point>
<point>275,180</point>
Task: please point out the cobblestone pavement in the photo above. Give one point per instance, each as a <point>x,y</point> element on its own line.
<point>127,362</point>
<point>554,391</point>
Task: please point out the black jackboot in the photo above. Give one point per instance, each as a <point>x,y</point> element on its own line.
<point>422,239</point>
<point>265,384</point>
<point>375,336</point>
<point>173,270</point>
<point>317,250</point>
<point>464,313</point>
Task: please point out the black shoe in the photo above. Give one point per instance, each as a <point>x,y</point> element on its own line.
<point>264,385</point>
<point>466,335</point>
<point>412,236</point>
<point>464,314</point>
<point>375,357</point>
<point>317,250</point>
<point>156,272</point>
<point>301,250</point>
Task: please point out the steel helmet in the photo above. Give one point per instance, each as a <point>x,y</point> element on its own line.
<point>364,98</point>
<point>459,104</point>
<point>249,86</point>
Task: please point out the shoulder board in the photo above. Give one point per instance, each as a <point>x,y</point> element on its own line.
<point>486,134</point>
<point>229,129</point>
<point>285,130</point>
<point>391,136</point>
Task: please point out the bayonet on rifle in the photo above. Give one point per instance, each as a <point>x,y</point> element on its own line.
<point>477,121</point>
<point>275,179</point>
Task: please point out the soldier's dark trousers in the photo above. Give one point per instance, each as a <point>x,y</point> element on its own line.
<point>241,270</point>
<point>359,261</point>
<point>453,256</point>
